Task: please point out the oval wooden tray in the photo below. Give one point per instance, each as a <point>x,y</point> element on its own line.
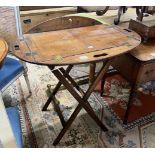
<point>76,43</point>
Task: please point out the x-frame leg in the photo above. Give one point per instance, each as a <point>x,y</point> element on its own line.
<point>83,103</point>
<point>61,74</point>
<point>56,89</point>
<point>55,101</point>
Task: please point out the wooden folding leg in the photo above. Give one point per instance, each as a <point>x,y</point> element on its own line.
<point>92,72</point>
<point>72,81</point>
<point>58,110</point>
<point>83,103</point>
<point>55,101</point>
<point>55,89</point>
<point>132,94</point>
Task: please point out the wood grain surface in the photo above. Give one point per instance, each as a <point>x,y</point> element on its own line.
<point>29,19</point>
<point>61,23</point>
<point>145,51</point>
<point>75,44</point>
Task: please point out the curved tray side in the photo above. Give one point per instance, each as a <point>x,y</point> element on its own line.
<point>61,23</point>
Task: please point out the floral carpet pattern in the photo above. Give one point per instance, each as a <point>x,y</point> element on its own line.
<point>41,128</point>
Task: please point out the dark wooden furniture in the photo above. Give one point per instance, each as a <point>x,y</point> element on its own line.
<point>146,29</point>
<point>99,11</point>
<point>121,10</point>
<point>76,42</point>
<point>144,11</point>
<point>3,51</point>
<point>141,11</point>
<point>137,67</point>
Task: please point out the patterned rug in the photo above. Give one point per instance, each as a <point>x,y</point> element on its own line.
<point>41,128</point>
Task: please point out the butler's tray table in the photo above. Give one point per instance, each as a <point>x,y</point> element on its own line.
<point>71,46</point>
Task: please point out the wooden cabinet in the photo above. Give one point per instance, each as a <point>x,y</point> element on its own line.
<point>137,67</point>
<point>146,72</point>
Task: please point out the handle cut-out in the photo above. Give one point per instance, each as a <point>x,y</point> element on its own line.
<point>128,30</point>
<point>100,55</point>
<point>27,21</point>
<point>16,47</point>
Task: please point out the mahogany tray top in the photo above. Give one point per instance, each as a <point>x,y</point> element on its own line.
<point>3,50</point>
<point>75,45</point>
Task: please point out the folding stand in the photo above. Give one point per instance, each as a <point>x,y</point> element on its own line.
<point>62,75</point>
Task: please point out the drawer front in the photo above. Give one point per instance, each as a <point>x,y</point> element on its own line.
<point>146,73</point>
